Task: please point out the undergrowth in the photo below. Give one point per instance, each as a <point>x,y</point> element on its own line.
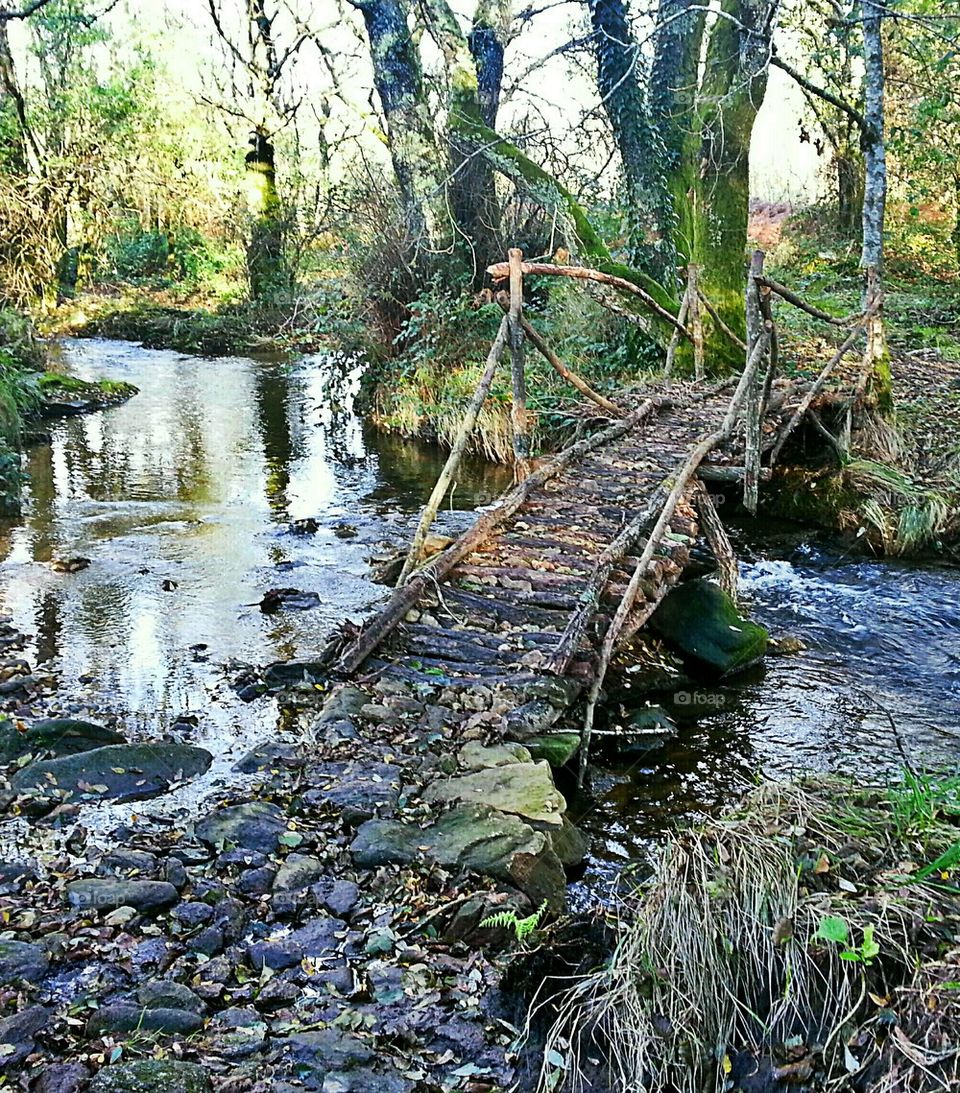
<point>805,939</point>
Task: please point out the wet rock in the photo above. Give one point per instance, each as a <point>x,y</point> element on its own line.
<point>193,914</point>
<point>315,1053</point>
<point>62,1078</point>
<point>106,894</point>
<point>56,736</point>
<point>323,937</point>
<point>298,871</point>
<point>208,942</point>
<point>470,838</point>
<point>20,960</point>
<point>271,755</point>
<point>358,791</point>
<point>13,874</point>
<point>344,702</point>
<point>289,598</point>
<point>127,863</point>
<point>168,994</point>
<point>524,789</point>
<point>18,1035</point>
<point>569,843</point>
<point>285,673</point>
<point>557,748</point>
<point>339,897</point>
<point>126,1018</point>
<point>152,1076</point>
<point>255,825</point>
<point>701,620</point>
<point>256,882</point>
<point>236,1033</point>
<point>120,772</point>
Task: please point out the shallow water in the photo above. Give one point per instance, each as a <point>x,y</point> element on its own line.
<point>195,482</point>
<point>877,685</point>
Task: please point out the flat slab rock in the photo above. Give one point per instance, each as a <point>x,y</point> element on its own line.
<point>523,789</point>
<point>56,736</point>
<point>470,838</point>
<point>119,772</point>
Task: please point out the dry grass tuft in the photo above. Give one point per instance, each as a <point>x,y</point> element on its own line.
<point>728,973</point>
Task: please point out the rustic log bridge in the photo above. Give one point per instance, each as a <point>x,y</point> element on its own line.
<point>521,616</point>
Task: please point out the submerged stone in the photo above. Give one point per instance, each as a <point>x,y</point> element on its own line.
<point>119,772</point>
<point>701,620</point>
<point>58,736</point>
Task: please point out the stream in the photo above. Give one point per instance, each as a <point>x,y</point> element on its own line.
<point>184,501</point>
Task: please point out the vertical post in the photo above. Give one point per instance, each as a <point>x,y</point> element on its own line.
<point>695,312</point>
<point>518,413</point>
<point>753,410</point>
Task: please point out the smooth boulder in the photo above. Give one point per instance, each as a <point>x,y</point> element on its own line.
<point>700,620</point>
<point>255,825</point>
<point>120,772</point>
<point>524,789</point>
<point>470,838</point>
<point>107,894</point>
<point>56,736</point>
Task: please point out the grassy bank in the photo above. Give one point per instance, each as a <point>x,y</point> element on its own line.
<point>807,939</point>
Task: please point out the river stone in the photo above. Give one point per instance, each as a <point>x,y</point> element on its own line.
<point>106,894</point>
<point>298,871</point>
<point>524,789</point>
<point>475,756</point>
<point>255,825</point>
<point>126,1018</point>
<point>471,838</point>
<point>21,960</point>
<point>285,673</point>
<point>168,994</point>
<point>318,937</point>
<point>120,772</point>
<point>314,1053</point>
<point>271,755</point>
<point>701,620</point>
<point>152,1076</point>
<point>235,1033</point>
<point>557,748</point>
<point>17,1035</point>
<point>59,736</point>
<point>357,790</point>
<point>344,702</point>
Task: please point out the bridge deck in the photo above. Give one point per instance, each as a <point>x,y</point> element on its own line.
<point>478,637</point>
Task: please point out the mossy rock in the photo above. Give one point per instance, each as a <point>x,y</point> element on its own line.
<point>152,1076</point>
<point>700,620</point>
<point>64,396</point>
<point>558,748</point>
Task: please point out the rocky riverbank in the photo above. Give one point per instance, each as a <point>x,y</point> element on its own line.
<point>319,930</point>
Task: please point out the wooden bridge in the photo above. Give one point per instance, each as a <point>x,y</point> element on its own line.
<point>517,620</point>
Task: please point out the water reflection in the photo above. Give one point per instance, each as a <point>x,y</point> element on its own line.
<point>182,500</point>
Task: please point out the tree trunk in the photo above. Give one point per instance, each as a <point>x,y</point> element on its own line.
<point>265,264</point>
<point>650,219</point>
<point>399,85</point>
<point>880,384</point>
<point>731,92</point>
